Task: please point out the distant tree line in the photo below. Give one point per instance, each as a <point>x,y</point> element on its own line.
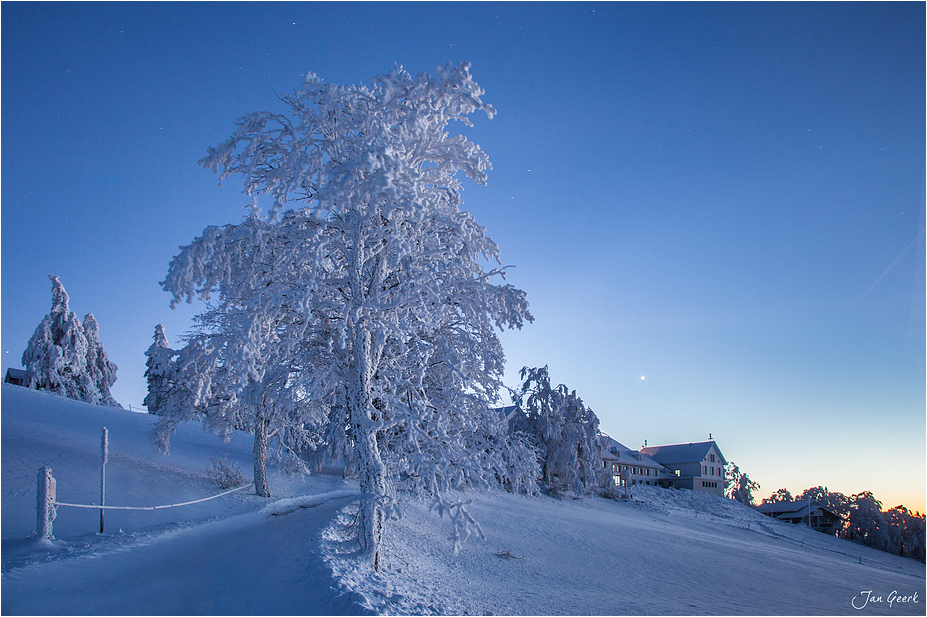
<point>897,531</point>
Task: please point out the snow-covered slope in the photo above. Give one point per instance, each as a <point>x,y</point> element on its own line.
<point>238,554</point>
<point>43,429</point>
<point>679,552</point>
<point>671,552</point>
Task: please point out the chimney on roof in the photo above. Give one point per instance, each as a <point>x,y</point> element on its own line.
<point>709,436</point>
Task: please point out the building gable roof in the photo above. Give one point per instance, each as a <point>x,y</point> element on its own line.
<point>678,454</point>
<point>15,375</point>
<point>626,455</point>
<point>793,509</point>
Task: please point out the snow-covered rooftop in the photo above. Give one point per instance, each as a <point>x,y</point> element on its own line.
<point>793,509</point>
<point>682,453</point>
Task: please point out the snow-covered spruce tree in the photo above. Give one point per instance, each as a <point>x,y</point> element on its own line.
<point>384,278</point>
<point>101,371</point>
<point>738,485</point>
<point>159,372</point>
<point>561,429</point>
<point>65,356</point>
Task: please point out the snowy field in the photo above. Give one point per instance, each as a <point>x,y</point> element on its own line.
<point>670,552</point>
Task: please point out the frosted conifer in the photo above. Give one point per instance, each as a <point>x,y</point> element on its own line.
<point>63,358</point>
<point>100,370</point>
<point>159,372</point>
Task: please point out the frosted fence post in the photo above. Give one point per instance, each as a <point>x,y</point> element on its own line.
<point>104,451</point>
<point>46,504</point>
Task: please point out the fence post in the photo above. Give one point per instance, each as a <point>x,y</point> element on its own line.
<point>46,504</point>
<point>104,451</point>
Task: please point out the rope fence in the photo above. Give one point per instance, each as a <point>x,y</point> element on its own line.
<point>47,503</point>
<point>171,505</point>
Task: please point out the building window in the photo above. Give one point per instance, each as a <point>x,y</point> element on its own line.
<point>712,457</point>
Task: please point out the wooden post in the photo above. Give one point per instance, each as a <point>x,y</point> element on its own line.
<point>46,504</point>
<point>104,451</point>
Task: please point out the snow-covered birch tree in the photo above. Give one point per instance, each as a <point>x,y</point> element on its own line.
<point>379,278</point>
<point>65,356</point>
<point>238,369</point>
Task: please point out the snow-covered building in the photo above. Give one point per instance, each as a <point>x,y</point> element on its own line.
<point>617,457</point>
<point>695,466</point>
<point>15,376</point>
<point>804,512</point>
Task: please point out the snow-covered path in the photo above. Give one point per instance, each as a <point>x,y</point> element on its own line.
<point>239,554</point>
<point>256,563</point>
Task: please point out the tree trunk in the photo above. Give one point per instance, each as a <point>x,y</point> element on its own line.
<point>260,458</point>
<point>371,469</point>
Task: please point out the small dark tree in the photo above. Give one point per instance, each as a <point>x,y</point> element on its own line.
<point>779,496</point>
<point>906,533</point>
<point>866,524</point>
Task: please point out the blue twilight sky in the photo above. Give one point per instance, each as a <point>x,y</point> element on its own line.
<point>726,199</point>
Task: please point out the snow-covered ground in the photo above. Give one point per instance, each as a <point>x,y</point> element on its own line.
<point>670,552</point>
